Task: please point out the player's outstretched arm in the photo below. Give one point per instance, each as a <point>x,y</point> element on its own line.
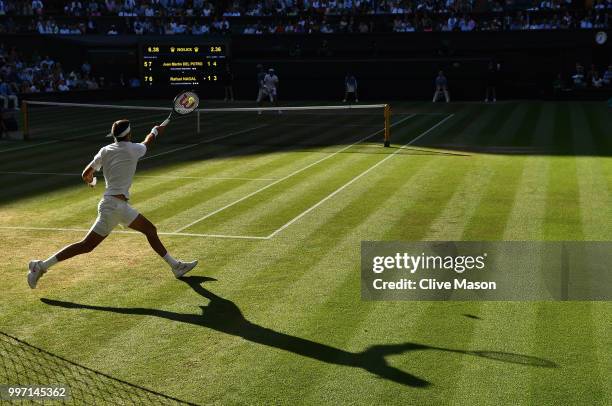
<point>155,132</point>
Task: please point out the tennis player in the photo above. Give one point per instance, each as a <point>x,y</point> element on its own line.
<point>350,88</point>
<point>270,82</point>
<point>118,161</point>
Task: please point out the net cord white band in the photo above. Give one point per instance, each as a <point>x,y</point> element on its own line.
<point>210,110</point>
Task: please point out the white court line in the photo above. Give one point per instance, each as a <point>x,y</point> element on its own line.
<point>204,177</point>
<point>206,141</point>
<point>243,237</point>
<point>140,176</point>
<point>287,177</point>
<point>335,192</point>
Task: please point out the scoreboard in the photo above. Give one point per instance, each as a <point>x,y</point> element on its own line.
<point>183,65</point>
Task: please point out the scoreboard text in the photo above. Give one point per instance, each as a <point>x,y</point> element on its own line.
<point>182,65</point>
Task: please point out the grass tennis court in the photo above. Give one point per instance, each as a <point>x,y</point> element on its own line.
<point>275,207</point>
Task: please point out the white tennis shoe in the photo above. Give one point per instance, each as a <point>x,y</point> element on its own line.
<point>183,267</point>
<point>36,272</point>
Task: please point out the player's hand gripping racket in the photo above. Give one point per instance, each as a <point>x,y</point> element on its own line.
<point>184,103</point>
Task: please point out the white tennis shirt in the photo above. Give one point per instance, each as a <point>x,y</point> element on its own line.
<point>118,161</point>
<point>270,81</point>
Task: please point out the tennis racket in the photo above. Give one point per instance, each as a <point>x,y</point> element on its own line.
<point>184,103</point>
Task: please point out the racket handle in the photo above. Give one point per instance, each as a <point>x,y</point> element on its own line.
<point>167,120</point>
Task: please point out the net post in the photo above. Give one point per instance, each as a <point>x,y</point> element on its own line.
<point>387,125</point>
<point>197,121</point>
<point>26,120</point>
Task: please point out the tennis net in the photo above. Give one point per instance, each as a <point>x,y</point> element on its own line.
<point>281,126</point>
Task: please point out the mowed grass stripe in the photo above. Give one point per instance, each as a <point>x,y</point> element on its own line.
<point>562,140</point>
<point>564,222</point>
<point>524,136</point>
<point>461,206</point>
<point>544,133</point>
<point>465,203</point>
<point>500,205</point>
<point>498,118</point>
<point>573,349</point>
<point>524,223</point>
<point>496,203</point>
<point>600,128</point>
<point>519,320</point>
<point>467,116</point>
<point>490,120</point>
<point>563,218</point>
<point>602,340</point>
<point>593,193</point>
<point>481,377</point>
<point>529,206</point>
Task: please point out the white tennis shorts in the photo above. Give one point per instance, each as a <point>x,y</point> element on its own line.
<point>112,211</point>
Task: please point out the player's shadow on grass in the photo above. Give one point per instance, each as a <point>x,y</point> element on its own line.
<point>224,316</point>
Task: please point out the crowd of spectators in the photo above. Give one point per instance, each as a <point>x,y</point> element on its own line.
<point>519,21</point>
<point>36,74</point>
<point>200,17</point>
<point>595,78</point>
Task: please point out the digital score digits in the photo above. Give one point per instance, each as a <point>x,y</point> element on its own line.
<point>182,65</point>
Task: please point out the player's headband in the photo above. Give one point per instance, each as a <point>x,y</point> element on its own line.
<point>121,135</point>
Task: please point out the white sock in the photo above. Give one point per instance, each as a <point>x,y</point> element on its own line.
<point>49,262</point>
<point>171,261</point>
